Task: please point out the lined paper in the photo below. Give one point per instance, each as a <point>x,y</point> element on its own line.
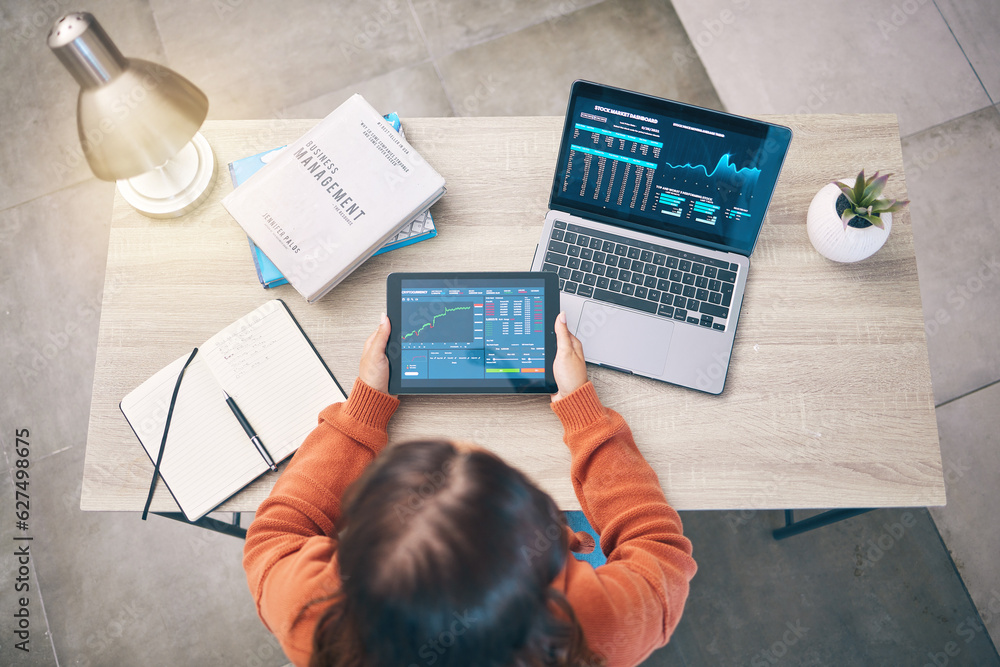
<point>267,365</point>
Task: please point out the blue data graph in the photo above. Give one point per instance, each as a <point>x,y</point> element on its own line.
<point>720,166</point>
<point>696,201</point>
<point>435,322</point>
<point>724,169</point>
<point>705,180</point>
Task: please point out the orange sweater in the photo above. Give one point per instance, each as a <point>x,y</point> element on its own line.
<point>627,608</point>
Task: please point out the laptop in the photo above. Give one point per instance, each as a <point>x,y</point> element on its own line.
<point>654,211</point>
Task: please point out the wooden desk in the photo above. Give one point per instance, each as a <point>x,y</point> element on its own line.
<point>828,402</point>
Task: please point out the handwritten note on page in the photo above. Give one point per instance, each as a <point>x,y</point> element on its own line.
<point>265,362</point>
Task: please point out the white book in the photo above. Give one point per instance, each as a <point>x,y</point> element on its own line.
<point>277,379</point>
<point>331,199</point>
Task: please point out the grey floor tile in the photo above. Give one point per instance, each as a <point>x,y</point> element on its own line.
<point>131,592</point>
<point>834,57</point>
<point>411,91</point>
<point>878,589</point>
<point>950,175</point>
<point>53,252</point>
<point>970,452</point>
<point>52,259</point>
<point>452,25</point>
<point>41,148</point>
<point>976,24</point>
<point>251,69</point>
<point>21,602</point>
<point>642,47</point>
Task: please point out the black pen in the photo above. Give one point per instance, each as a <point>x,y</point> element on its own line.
<point>250,432</point>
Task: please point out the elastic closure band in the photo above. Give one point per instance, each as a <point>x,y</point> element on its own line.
<point>166,429</point>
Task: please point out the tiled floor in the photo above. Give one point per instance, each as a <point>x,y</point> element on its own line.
<point>107,589</point>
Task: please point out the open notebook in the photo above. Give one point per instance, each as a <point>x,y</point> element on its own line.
<point>279,381</point>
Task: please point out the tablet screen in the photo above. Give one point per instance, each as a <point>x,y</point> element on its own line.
<point>459,333</point>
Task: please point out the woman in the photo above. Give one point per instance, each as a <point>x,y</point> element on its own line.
<point>439,553</point>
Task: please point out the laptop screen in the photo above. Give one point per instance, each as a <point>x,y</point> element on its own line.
<point>666,167</point>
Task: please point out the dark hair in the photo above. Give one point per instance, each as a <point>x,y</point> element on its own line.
<point>446,557</point>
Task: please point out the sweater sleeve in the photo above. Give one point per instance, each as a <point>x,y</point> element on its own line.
<point>288,556</point>
<point>631,605</point>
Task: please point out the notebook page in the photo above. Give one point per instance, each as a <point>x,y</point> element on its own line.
<point>272,372</point>
<point>208,456</point>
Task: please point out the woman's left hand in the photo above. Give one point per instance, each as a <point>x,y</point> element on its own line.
<point>374,368</point>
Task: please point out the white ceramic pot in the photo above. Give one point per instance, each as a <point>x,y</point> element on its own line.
<point>827,233</point>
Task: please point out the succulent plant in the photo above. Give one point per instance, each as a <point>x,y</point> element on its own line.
<point>864,200</point>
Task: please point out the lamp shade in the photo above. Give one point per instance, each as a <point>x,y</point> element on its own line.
<point>132,115</point>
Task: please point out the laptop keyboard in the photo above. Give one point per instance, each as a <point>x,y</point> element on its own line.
<point>655,279</point>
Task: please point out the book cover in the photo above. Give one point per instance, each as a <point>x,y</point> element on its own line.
<point>330,199</point>
<point>418,229</point>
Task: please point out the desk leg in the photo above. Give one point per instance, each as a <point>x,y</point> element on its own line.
<point>793,527</point>
<point>232,529</point>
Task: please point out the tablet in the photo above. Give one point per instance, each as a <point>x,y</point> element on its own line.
<point>472,333</point>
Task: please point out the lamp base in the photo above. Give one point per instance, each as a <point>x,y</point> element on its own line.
<point>177,187</point>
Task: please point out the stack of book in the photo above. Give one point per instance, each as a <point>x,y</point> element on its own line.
<point>349,188</point>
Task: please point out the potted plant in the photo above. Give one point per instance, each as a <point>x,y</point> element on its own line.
<point>849,222</point>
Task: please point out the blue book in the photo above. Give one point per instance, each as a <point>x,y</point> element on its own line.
<point>419,228</point>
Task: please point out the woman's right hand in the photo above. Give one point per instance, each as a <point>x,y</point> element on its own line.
<point>569,368</point>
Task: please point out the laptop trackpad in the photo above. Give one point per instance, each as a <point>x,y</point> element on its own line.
<point>624,338</point>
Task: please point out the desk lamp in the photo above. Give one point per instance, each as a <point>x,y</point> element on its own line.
<point>138,121</point>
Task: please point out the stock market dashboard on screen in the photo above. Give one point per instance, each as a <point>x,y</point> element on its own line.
<point>668,167</point>
<point>492,332</point>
